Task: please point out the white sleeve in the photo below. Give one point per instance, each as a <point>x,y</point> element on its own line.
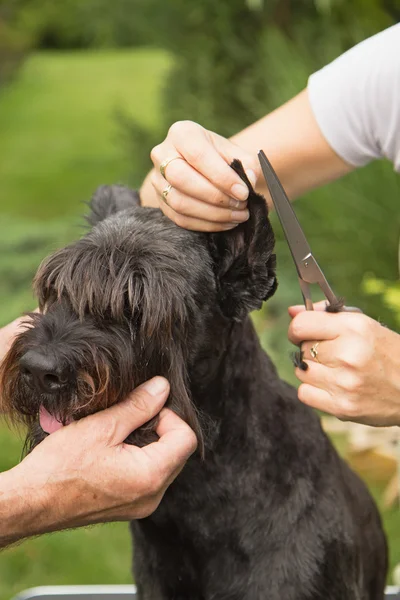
<point>356,100</point>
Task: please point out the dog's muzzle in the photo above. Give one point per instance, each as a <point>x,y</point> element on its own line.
<point>42,372</point>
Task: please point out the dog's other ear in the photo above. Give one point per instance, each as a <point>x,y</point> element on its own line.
<point>110,199</point>
<point>243,257</point>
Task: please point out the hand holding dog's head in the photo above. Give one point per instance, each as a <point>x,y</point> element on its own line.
<point>135,297</point>
<point>243,259</point>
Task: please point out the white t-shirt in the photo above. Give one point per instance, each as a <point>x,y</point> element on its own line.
<point>356,100</point>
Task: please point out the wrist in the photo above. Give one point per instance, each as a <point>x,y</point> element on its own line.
<point>24,508</point>
<point>33,502</point>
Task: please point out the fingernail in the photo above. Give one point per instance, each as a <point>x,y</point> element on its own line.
<point>230,226</point>
<point>237,203</point>
<point>239,216</point>
<point>251,176</point>
<point>240,191</point>
<point>155,386</point>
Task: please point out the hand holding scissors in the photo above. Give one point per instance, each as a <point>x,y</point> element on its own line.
<point>352,361</point>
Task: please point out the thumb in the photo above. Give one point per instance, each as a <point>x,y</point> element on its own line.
<point>295,310</point>
<point>144,403</point>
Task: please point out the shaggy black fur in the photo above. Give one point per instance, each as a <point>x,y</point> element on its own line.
<point>271,511</point>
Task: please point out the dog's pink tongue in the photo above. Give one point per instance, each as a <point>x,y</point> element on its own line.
<point>48,423</point>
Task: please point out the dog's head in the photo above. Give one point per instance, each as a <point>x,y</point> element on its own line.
<point>137,296</point>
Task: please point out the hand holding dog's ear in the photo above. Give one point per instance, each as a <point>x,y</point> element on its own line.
<point>84,473</point>
<point>206,195</point>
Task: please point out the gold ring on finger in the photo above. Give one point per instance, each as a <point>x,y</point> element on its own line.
<point>165,192</point>
<point>314,351</point>
<point>165,163</point>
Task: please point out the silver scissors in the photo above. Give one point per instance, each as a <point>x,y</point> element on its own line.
<point>307,267</point>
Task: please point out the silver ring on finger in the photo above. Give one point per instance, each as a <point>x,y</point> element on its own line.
<point>314,351</point>
<point>165,193</point>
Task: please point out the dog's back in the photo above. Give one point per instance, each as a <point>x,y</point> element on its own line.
<point>272,512</point>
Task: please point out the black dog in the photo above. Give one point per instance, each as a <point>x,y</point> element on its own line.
<point>266,509</point>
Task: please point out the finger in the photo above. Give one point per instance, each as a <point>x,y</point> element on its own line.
<point>211,155</point>
<point>144,403</point>
<point>316,398</point>
<point>298,308</point>
<point>177,441</point>
<point>183,177</point>
<point>320,376</point>
<point>192,207</point>
<point>192,223</point>
<point>314,325</point>
<point>326,352</point>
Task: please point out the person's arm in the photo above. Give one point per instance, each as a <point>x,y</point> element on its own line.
<point>292,140</point>
<point>84,473</point>
<point>348,116</point>
<point>289,136</point>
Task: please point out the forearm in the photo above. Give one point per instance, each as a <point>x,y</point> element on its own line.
<point>23,508</point>
<point>33,503</point>
<point>293,142</point>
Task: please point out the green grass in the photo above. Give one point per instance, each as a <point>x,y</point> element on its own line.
<point>59,135</point>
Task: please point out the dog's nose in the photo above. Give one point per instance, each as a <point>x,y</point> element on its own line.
<point>42,371</point>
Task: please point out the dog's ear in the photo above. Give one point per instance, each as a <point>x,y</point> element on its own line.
<point>243,258</point>
<point>110,199</point>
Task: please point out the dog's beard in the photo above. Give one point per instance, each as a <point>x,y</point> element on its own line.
<point>102,375</point>
<point>43,413</point>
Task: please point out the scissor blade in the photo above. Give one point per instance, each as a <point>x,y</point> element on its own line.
<point>296,239</point>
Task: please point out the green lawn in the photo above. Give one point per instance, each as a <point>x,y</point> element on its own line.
<point>59,141</point>
<point>59,135</point>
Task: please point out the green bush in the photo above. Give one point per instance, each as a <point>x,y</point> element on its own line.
<point>75,24</point>
<point>234,61</point>
<point>14,46</point>
<point>180,26</point>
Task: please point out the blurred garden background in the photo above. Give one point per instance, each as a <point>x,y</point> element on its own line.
<point>87,87</point>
